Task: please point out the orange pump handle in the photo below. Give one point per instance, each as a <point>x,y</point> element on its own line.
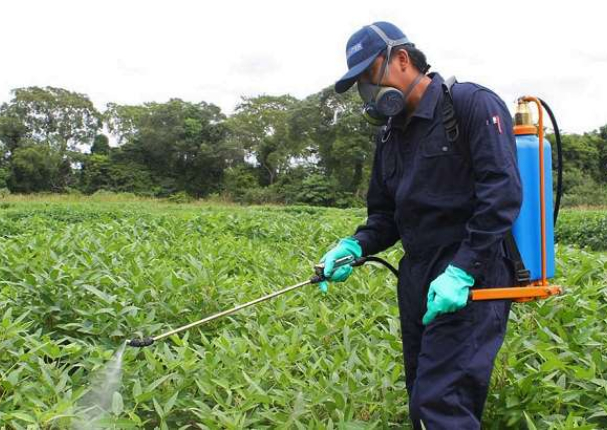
<point>518,294</point>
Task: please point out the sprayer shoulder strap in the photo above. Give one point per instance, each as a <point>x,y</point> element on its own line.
<point>522,275</point>
<point>449,119</point>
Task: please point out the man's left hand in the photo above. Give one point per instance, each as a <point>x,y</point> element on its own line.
<point>448,293</point>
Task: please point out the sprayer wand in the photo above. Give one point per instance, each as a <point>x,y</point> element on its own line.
<point>147,341</point>
<point>316,278</point>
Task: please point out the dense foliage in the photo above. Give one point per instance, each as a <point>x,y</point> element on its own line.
<point>79,278</point>
<point>315,151</point>
<point>583,228</point>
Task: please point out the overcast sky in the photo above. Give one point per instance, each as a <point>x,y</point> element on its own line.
<point>133,51</point>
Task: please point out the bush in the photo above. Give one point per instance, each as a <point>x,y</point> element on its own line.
<point>583,229</point>
<point>180,197</point>
<point>105,195</point>
<point>316,190</point>
<point>260,196</point>
<point>72,191</point>
<point>238,181</point>
<point>349,200</point>
<point>589,194</point>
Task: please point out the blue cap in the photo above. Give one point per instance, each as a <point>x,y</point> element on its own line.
<point>364,47</point>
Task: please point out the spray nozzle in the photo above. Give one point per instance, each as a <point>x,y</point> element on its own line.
<point>140,343</point>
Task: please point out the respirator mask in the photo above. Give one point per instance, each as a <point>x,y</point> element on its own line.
<point>384,102</point>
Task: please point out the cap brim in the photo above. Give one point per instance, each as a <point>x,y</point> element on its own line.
<point>347,80</point>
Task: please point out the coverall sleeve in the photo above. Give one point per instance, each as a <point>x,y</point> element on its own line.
<point>497,184</point>
<point>380,231</point>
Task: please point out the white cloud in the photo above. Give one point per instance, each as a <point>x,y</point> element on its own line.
<point>136,51</point>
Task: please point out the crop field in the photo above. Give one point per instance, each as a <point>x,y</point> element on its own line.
<point>80,276</point>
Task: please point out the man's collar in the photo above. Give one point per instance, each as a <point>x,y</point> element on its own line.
<point>425,108</point>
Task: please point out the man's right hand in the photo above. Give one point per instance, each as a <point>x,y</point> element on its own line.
<point>346,247</point>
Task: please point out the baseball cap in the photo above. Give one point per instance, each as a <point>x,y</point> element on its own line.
<point>364,47</point>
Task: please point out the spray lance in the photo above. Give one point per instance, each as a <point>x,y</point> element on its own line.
<point>315,279</point>
<point>532,233</point>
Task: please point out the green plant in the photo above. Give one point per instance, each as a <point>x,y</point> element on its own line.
<point>80,275</point>
<point>583,228</point>
<point>180,197</point>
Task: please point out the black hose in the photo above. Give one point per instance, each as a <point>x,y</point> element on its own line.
<point>319,276</point>
<point>363,260</point>
<point>559,156</point>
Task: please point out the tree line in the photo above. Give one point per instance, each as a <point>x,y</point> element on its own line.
<point>275,149</point>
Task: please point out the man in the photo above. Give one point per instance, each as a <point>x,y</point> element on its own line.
<point>445,182</point>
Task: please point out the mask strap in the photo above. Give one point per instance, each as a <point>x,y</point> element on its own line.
<point>384,70</point>
<point>386,39</point>
<point>390,44</point>
<point>382,74</point>
<point>412,85</point>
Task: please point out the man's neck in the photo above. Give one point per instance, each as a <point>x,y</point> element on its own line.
<point>417,93</point>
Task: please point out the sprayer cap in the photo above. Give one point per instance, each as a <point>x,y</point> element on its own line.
<point>523,120</point>
<point>522,115</point>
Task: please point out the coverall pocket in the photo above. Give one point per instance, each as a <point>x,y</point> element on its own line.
<point>438,146</point>
<point>444,169</point>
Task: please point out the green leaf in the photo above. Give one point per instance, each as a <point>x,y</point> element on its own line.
<point>103,296</point>
<point>158,408</point>
<point>117,404</point>
<point>24,417</point>
<point>530,424</point>
<point>168,406</point>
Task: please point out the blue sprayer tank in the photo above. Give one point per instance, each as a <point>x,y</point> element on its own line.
<point>527,228</point>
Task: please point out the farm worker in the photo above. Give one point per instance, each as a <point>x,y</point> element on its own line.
<point>450,200</point>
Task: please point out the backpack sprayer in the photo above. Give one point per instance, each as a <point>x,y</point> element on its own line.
<point>531,243</point>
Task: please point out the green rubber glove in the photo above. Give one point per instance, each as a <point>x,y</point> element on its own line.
<point>448,293</point>
<point>346,247</point>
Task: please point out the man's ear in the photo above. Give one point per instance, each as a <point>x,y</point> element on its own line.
<point>404,61</point>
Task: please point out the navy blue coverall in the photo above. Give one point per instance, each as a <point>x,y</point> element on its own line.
<point>448,204</point>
